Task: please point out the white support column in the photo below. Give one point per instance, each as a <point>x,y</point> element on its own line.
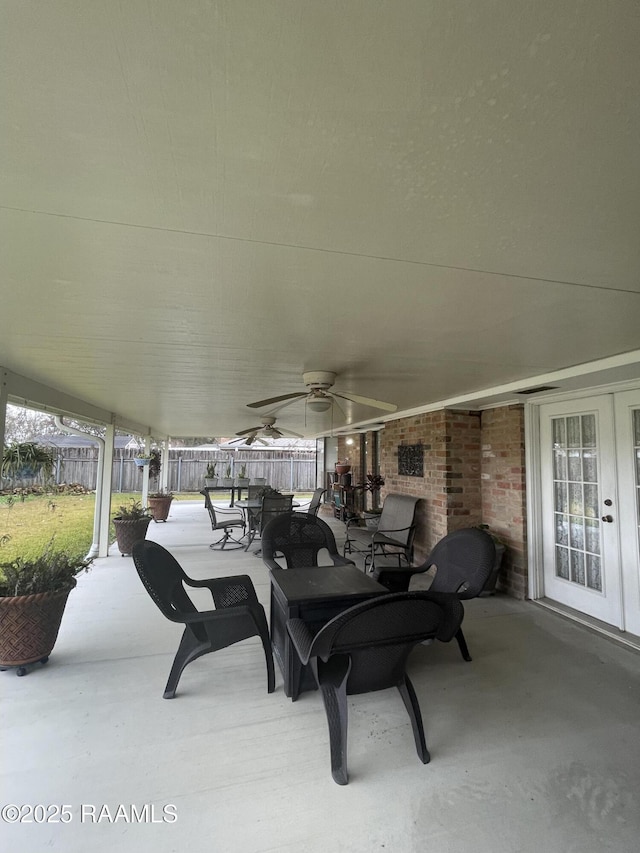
<point>145,472</point>
<point>3,409</point>
<point>105,508</point>
<point>164,469</point>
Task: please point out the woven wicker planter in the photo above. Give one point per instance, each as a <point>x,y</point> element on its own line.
<point>29,626</point>
<point>130,532</point>
<point>159,508</point>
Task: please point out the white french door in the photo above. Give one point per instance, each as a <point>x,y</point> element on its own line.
<point>627,415</point>
<point>580,543</point>
<point>590,479</point>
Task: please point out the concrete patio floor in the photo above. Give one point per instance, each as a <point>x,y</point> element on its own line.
<point>535,745</point>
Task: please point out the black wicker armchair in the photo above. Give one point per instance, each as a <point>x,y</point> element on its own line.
<point>238,614</point>
<point>366,648</point>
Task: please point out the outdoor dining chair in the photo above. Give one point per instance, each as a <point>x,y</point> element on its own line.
<point>313,506</point>
<point>394,535</point>
<point>365,648</point>
<point>299,537</point>
<point>460,563</point>
<point>226,520</point>
<point>273,505</point>
<point>238,614</point>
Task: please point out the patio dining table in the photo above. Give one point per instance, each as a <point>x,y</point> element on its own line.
<point>315,595</point>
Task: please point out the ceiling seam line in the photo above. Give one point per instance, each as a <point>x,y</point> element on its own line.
<point>345,253</point>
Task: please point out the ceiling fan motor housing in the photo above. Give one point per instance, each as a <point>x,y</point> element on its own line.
<point>319,380</point>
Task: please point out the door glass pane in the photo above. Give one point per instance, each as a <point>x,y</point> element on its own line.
<point>577,500</point>
<point>576,532</point>
<point>560,464</point>
<point>588,430</point>
<point>592,535</point>
<point>562,563</point>
<point>562,529</point>
<point>590,466</point>
<point>577,567</point>
<point>575,465</point>
<point>594,578</point>
<point>573,431</point>
<point>576,506</point>
<point>591,501</point>
<point>561,501</point>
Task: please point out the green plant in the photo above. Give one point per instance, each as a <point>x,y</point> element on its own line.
<point>161,494</point>
<point>51,571</point>
<point>27,459</point>
<point>211,470</point>
<point>154,463</point>
<point>131,512</point>
<point>228,472</point>
<point>243,472</point>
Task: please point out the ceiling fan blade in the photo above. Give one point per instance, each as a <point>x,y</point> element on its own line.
<point>249,441</point>
<point>247,431</point>
<point>365,401</point>
<point>279,399</point>
<point>284,431</point>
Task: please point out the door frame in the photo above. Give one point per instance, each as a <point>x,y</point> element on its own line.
<point>533,461</point>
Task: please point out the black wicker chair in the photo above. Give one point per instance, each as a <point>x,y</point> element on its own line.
<point>299,537</point>
<point>273,505</point>
<point>463,560</point>
<point>365,648</point>
<point>226,520</point>
<point>238,614</point>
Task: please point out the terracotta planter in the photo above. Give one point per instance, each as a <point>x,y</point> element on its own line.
<point>130,532</point>
<point>342,469</point>
<point>29,626</point>
<point>159,508</point>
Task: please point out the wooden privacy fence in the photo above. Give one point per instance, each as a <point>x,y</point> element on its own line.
<point>292,471</point>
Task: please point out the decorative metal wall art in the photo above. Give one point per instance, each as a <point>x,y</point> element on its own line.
<point>411,460</point>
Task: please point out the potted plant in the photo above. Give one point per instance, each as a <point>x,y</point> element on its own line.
<point>210,479</point>
<point>131,523</point>
<point>141,461</point>
<point>227,480</point>
<point>243,480</point>
<point>26,460</point>
<point>159,505</point>
<point>343,467</point>
<point>33,596</point>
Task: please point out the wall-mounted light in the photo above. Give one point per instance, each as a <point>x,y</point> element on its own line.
<point>349,441</point>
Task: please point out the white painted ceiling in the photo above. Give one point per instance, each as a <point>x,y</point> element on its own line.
<point>200,200</point>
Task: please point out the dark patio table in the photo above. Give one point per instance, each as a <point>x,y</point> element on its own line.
<point>315,595</point>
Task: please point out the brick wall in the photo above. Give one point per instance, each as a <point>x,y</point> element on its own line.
<point>473,473</point>
<point>503,491</point>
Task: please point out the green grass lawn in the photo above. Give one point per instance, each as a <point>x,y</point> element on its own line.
<point>31,523</point>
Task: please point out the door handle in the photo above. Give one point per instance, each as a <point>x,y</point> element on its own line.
<point>607,518</point>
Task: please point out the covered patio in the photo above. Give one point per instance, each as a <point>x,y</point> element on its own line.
<point>535,745</point>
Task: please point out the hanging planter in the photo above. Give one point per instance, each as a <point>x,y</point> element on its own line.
<point>142,461</point>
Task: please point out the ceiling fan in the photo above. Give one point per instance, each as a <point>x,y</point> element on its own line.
<point>266,429</point>
<point>319,398</point>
